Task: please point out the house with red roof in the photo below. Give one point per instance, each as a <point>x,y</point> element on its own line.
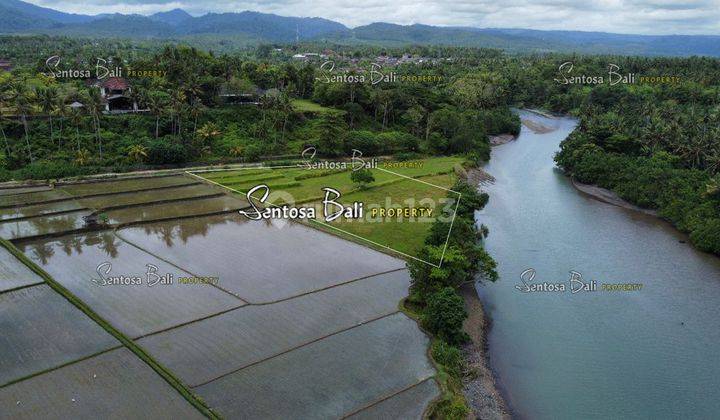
<point>117,96</point>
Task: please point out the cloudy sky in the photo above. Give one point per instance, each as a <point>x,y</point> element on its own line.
<point>624,16</point>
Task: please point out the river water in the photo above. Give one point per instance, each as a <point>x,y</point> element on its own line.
<point>651,353</point>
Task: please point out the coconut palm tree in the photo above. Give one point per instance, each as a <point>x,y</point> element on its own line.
<point>47,98</point>
<point>76,116</point>
<point>24,97</point>
<point>157,103</point>
<point>4,103</point>
<point>95,108</point>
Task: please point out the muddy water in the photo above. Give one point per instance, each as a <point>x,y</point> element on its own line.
<point>650,353</point>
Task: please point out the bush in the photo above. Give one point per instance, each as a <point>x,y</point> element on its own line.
<point>449,356</point>
<point>362,177</point>
<point>445,314</point>
<point>166,151</point>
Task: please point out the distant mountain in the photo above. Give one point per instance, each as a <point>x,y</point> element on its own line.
<point>173,17</point>
<point>536,40</point>
<point>252,27</point>
<point>28,16</point>
<point>266,26</point>
<point>117,25</point>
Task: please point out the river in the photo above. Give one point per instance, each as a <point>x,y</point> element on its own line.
<point>651,353</point>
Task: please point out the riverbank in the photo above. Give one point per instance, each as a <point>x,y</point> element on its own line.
<point>479,384</point>
<point>609,197</point>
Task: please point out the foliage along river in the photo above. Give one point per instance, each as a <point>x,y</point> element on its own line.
<point>652,353</point>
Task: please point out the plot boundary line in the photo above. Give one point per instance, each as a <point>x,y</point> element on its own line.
<point>447,240</point>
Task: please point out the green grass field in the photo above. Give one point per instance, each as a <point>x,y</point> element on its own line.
<point>389,190</point>
<point>303,105</point>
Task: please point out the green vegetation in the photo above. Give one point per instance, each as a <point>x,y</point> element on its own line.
<point>436,302</point>
<point>657,146</point>
<point>402,234</point>
<point>304,105</point>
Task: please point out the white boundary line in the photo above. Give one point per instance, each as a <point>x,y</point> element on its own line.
<point>447,240</point>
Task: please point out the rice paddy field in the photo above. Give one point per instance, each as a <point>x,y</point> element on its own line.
<point>328,378</point>
<point>113,385</point>
<point>15,274</point>
<point>135,309</point>
<point>295,322</point>
<point>272,261</point>
<point>41,330</point>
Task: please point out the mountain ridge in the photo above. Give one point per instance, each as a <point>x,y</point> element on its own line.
<point>18,17</point>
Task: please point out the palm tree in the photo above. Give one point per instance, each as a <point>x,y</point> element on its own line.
<point>95,108</point>
<point>177,103</point>
<point>61,111</point>
<point>236,151</point>
<point>3,104</point>
<point>196,109</point>
<point>76,118</point>
<point>47,97</point>
<point>207,132</point>
<point>83,157</point>
<point>157,103</point>
<point>137,153</point>
<point>24,98</point>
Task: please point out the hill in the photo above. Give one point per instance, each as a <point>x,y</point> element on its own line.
<point>253,27</point>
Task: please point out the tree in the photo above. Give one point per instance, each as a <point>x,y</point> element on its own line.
<point>82,157</point>
<point>3,104</point>
<point>47,97</point>
<point>362,177</point>
<point>94,107</point>
<point>157,102</point>
<point>24,98</point>
<point>331,131</point>
<point>76,115</point>
<point>445,314</point>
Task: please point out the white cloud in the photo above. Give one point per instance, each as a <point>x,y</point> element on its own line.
<point>623,16</point>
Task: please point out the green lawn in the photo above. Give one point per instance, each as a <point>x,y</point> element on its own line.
<point>303,105</point>
<point>389,190</point>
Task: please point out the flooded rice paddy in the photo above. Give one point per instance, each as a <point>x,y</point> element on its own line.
<point>291,315</point>
<point>40,330</point>
<point>116,384</point>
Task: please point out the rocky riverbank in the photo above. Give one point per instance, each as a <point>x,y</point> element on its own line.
<point>479,383</point>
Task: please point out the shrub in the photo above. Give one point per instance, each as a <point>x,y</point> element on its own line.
<point>166,151</point>
<point>362,177</point>
<point>449,356</point>
<point>445,314</point>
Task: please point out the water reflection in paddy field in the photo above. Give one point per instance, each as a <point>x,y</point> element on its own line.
<point>273,260</point>
<point>408,404</point>
<point>224,203</point>
<point>43,225</point>
<point>39,209</point>
<point>135,309</point>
